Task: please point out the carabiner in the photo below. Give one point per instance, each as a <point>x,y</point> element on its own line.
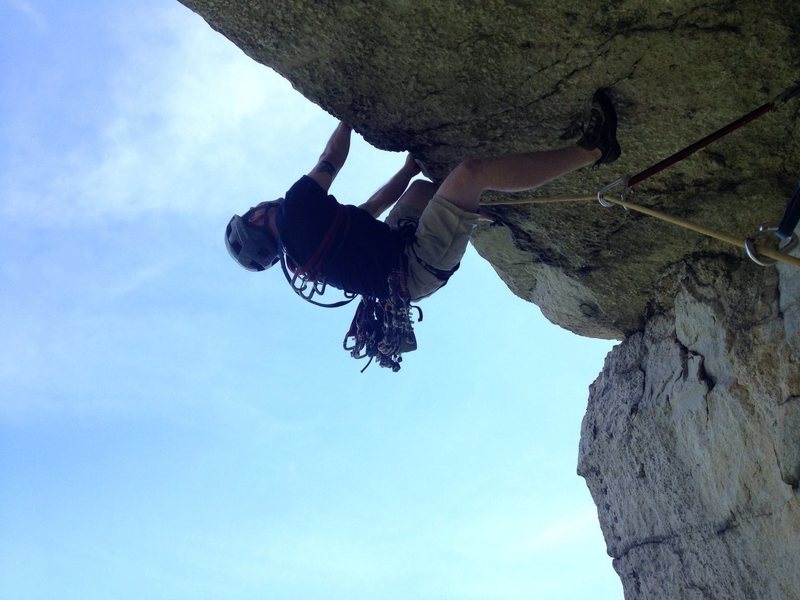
<point>621,181</point>
<point>784,246</point>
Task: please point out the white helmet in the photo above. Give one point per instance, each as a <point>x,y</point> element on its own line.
<point>252,246</point>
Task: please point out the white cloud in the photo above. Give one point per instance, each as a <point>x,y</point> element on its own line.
<point>30,12</point>
<point>567,530</point>
<point>190,124</point>
<point>337,561</point>
<point>17,350</point>
<point>517,534</point>
<point>136,279</point>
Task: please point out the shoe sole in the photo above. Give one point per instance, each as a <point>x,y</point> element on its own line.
<point>608,137</point>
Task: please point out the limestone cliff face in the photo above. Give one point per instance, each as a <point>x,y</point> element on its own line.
<point>691,445</point>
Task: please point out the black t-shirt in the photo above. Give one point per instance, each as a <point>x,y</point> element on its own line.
<point>360,251</point>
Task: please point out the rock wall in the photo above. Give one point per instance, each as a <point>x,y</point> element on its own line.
<point>450,79</point>
<point>691,442</point>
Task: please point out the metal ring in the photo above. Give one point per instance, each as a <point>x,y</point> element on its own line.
<point>623,181</point>
<point>603,202</point>
<point>752,254</point>
<point>790,244</point>
<point>764,261</point>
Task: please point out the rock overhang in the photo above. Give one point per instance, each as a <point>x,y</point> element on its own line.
<point>448,80</point>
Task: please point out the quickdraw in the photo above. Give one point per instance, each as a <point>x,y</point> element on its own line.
<point>784,232</point>
<point>383,329</point>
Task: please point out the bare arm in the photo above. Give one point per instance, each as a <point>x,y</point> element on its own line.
<point>333,157</point>
<point>392,189</point>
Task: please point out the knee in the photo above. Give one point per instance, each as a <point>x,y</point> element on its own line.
<point>468,171</point>
<point>418,194</point>
<point>421,187</point>
<point>465,181</point>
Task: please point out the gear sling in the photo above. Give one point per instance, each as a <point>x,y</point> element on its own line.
<point>382,328</point>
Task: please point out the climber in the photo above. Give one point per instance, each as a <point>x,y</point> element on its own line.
<point>424,235</point>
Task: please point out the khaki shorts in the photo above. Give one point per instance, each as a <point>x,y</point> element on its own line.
<point>443,232</point>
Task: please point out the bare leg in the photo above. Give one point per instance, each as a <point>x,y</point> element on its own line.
<point>418,194</point>
<point>514,173</point>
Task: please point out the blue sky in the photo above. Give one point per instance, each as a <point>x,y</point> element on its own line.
<point>172,427</point>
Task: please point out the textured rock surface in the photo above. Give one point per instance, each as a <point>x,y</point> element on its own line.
<point>691,443</point>
<point>450,79</point>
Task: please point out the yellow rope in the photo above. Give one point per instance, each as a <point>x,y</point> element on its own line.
<point>739,243</point>
<point>540,200</point>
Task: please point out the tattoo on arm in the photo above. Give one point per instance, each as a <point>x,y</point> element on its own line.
<point>325,166</point>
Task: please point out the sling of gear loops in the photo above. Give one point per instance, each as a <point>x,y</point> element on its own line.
<point>306,281</point>
<point>383,329</point>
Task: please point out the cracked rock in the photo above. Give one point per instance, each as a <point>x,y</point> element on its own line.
<point>716,431</point>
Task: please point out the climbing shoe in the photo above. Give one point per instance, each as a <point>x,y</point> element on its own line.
<point>601,131</point>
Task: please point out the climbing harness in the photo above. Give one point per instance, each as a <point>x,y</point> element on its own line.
<point>383,329</point>
<point>624,187</point>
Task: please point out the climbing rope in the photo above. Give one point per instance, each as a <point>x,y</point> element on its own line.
<point>757,253</point>
<point>779,100</point>
<point>748,244</point>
